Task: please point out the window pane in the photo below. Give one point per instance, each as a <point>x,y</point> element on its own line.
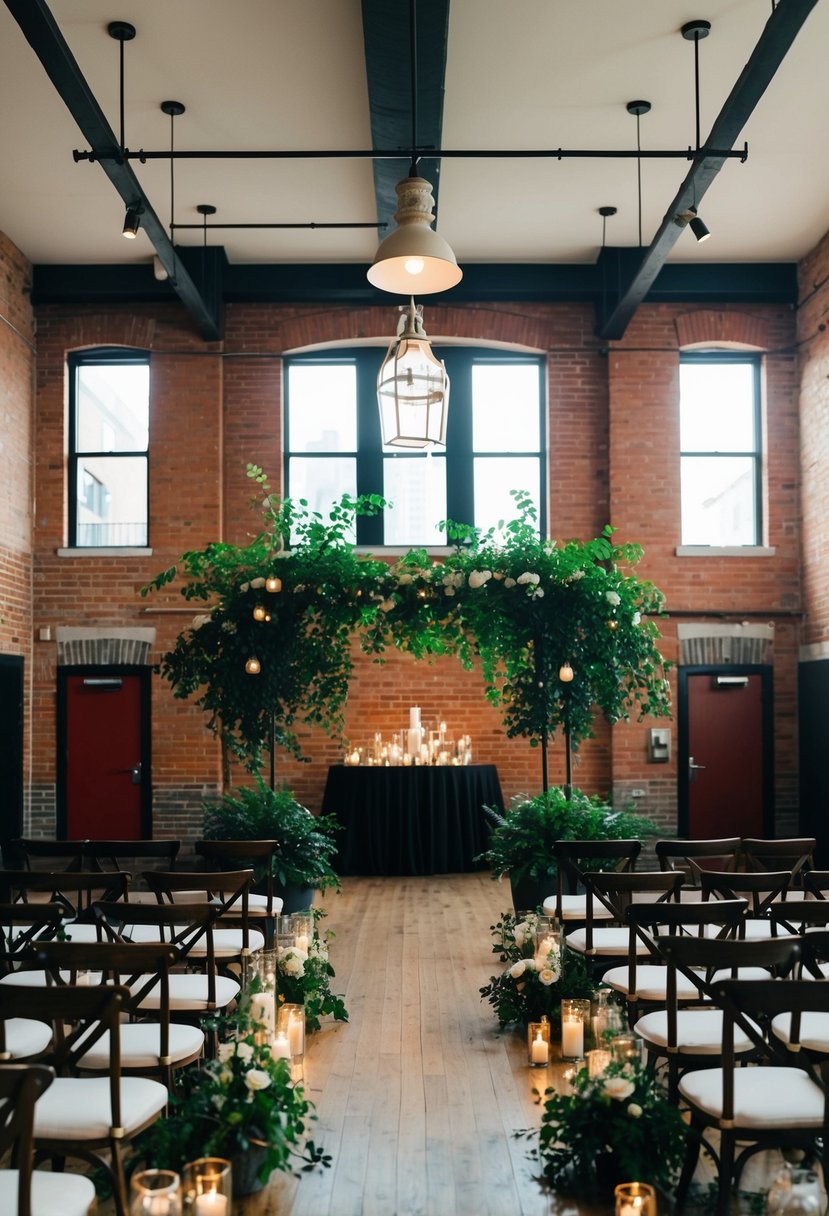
<point>505,413</point>
<point>112,500</point>
<point>717,407</point>
<point>494,478</point>
<point>322,408</point>
<point>718,501</point>
<point>113,406</point>
<point>322,480</point>
<point>416,487</point>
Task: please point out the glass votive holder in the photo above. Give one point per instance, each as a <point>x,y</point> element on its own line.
<point>284,931</point>
<point>575,1017</point>
<point>626,1048</point>
<point>538,1043</point>
<point>291,1025</point>
<point>155,1193</point>
<point>207,1187</point>
<point>262,992</point>
<point>605,1017</point>
<point>303,930</point>
<point>635,1199</point>
<point>597,1061</point>
<point>547,941</point>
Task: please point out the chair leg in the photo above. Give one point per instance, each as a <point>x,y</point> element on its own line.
<point>689,1165</point>
<point>726,1173</point>
<point>119,1182</point>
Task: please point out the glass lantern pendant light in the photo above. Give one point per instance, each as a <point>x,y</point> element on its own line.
<point>412,387</point>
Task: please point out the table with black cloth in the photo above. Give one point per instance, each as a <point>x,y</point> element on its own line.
<point>411,819</point>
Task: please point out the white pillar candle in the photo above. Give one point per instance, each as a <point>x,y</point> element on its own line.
<point>210,1204</point>
<point>263,1009</point>
<point>572,1038</point>
<point>414,717</point>
<point>540,1050</point>
<point>296,1033</point>
<point>301,942</point>
<point>281,1048</point>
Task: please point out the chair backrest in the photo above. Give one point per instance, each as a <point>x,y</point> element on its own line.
<point>20,1087</point>
<point>244,854</point>
<point>21,924</point>
<point>762,888</point>
<point>21,853</point>
<point>816,883</point>
<point>74,890</point>
<point>230,887</point>
<point>108,855</point>
<point>692,856</point>
<point>575,857</point>
<point>616,891</point>
<point>795,853</point>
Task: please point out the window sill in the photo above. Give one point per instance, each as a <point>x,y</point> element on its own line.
<point>105,551</point>
<point>402,550</point>
<point>725,551</point>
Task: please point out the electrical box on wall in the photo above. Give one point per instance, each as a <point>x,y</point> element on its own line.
<point>659,744</point>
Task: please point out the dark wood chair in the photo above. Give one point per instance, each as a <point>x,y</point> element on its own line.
<point>229,890</point>
<point>24,1190</point>
<point>81,1116</point>
<point>761,888</point>
<point>794,853</point>
<point>28,853</point>
<point>574,858</point>
<point>604,944</point>
<point>779,1103</point>
<point>693,856</point>
<point>263,904</point>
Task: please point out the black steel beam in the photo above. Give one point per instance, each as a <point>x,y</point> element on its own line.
<point>779,33</point>
<point>745,283</point>
<point>43,35</point>
<point>386,38</point>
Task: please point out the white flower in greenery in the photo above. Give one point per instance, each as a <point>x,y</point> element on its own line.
<point>613,598</point>
<point>386,605</point>
<point>224,1052</point>
<point>636,618</point>
<point>256,583</point>
<point>635,1110</point>
<point>509,582</point>
<point>498,575</point>
<point>224,1076</point>
<point>244,1051</point>
<point>198,621</point>
<point>547,976</point>
<point>537,593</point>
<point>529,577</point>
<point>404,579</point>
<point>518,969</point>
<point>448,590</point>
<point>529,963</point>
<point>244,587</point>
<point>292,961</point>
<point>575,576</point>
<point>520,933</point>
<point>618,1088</point>
<point>257,1078</point>
<point>478,577</point>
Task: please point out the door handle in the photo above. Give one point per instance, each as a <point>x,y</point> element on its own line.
<point>134,772</point>
<point>693,768</point>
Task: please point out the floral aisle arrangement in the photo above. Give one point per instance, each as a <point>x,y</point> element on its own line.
<point>610,1128</point>
<point>304,978</point>
<point>532,984</point>
<point>242,1102</point>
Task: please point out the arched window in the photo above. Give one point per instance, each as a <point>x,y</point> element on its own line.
<point>496,439</point>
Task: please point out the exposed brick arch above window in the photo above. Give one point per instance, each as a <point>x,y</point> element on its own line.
<point>487,325</point>
<point>721,328</point>
<point>110,329</point>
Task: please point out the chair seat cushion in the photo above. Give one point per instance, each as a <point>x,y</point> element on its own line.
<point>754,929</point>
<point>141,1046</point>
<point>698,1031</point>
<point>814,1029</point>
<point>779,1098</point>
<point>79,1108</point>
<point>651,982</point>
<point>605,941</point>
<point>227,943</point>
<point>574,907</point>
<point>59,1194</point>
<point>37,978</point>
<point>259,904</point>
<point>741,973</point>
<point>188,992</point>
<point>26,1037</point>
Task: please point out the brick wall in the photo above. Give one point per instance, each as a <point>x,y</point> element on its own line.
<point>813,342</point>
<point>613,458</point>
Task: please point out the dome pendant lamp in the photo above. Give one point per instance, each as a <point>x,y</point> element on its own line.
<point>414,259</point>
<point>412,388</point>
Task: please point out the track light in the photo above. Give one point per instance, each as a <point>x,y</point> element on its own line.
<point>698,227</point>
<point>132,223</point>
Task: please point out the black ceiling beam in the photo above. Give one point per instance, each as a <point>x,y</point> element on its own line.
<point>343,283</point>
<point>386,38</point>
<point>779,33</point>
<point>43,35</point>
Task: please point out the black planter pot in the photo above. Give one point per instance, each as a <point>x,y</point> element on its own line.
<point>528,894</point>
<point>294,897</point>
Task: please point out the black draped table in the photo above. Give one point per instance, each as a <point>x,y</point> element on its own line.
<point>411,820</point>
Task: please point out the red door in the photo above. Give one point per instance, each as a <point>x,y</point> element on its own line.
<point>726,757</point>
<point>104,779</point>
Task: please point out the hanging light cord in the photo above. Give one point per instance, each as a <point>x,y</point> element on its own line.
<point>696,80</point>
<point>413,72</point>
<point>172,175</point>
<point>121,89</point>
<point>639,176</point>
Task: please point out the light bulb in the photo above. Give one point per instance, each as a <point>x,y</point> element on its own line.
<point>565,673</point>
<point>253,666</point>
<point>272,583</point>
<point>259,613</point>
<point>414,265</point>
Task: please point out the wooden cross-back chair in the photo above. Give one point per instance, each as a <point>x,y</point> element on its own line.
<point>604,939</point>
<point>27,853</point>
<point>118,855</point>
<point>229,890</point>
<point>693,856</point>
<point>264,905</point>
<point>25,1191</point>
<point>762,889</point>
<point>81,1116</point>
<point>793,853</point>
<point>574,858</point>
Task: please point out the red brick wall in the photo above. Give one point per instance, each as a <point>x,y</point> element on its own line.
<point>613,458</point>
<point>16,487</point>
<point>813,338</point>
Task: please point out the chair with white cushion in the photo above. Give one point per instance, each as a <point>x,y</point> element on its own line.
<point>780,1103</point>
<point>573,902</point>
<point>605,945</point>
<point>793,853</point>
<point>80,1116</point>
<point>74,890</point>
<point>233,939</point>
<point>263,904</point>
<point>42,854</point>
<point>761,888</point>
<point>151,1046</point>
<point>25,1191</point>
<point>694,856</point>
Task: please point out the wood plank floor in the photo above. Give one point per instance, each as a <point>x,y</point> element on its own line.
<point>418,1096</point>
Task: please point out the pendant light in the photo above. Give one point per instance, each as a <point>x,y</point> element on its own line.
<point>412,387</point>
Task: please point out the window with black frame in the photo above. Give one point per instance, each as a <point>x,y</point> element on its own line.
<point>109,408</point>
<point>495,442</point>
<point>720,449</point>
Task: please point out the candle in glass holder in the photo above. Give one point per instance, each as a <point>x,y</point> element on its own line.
<point>155,1193</point>
<point>208,1187</point>
<point>635,1199</point>
<point>626,1048</point>
<point>597,1061</point>
<point>574,1015</point>
<point>538,1043</point>
<point>263,1010</point>
<point>281,1048</point>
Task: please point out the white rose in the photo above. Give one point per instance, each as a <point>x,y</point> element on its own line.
<point>498,575</point>
<point>529,577</point>
<point>518,969</point>
<point>635,1110</point>
<point>509,582</point>
<point>257,1078</point>
<point>529,963</point>
<point>636,618</point>
<point>256,583</point>
<point>245,587</point>
<point>478,577</point>
<point>618,1088</point>
<point>537,594</point>
<point>224,1051</point>
<point>198,621</point>
<point>404,580</point>
<point>613,598</point>
<point>244,1051</point>
<point>547,976</point>
<point>520,932</point>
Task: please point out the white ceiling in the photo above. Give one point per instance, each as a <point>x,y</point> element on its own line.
<point>528,74</point>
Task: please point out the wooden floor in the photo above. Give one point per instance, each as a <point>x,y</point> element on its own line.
<point>418,1095</point>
